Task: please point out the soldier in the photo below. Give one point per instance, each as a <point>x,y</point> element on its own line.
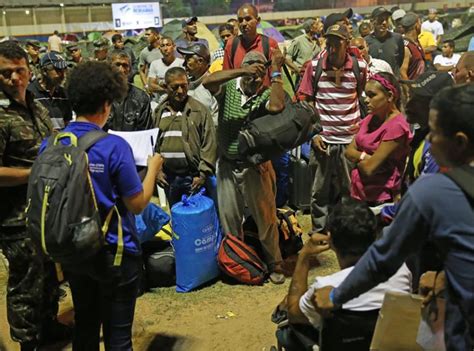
<point>32,291</point>
<point>74,55</point>
<point>101,49</point>
<point>33,48</point>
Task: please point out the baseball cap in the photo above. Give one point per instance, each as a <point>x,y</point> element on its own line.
<point>33,42</point>
<point>52,58</point>
<point>429,83</point>
<point>188,21</point>
<point>333,18</point>
<point>398,14</point>
<point>432,10</point>
<point>101,43</point>
<point>338,31</point>
<point>378,11</point>
<point>253,57</point>
<point>196,49</point>
<point>409,19</point>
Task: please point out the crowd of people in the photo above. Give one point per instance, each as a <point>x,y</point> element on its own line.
<point>395,123</point>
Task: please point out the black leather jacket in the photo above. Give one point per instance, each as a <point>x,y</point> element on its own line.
<point>131,114</point>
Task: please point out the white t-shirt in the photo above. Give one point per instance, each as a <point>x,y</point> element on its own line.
<point>371,300</point>
<point>435,27</point>
<point>158,68</point>
<point>447,61</point>
<point>55,43</point>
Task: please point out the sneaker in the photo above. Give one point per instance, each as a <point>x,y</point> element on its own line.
<point>277,278</point>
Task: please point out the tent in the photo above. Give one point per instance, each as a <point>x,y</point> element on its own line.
<point>173,29</point>
<point>92,36</point>
<point>461,35</point>
<point>269,30</point>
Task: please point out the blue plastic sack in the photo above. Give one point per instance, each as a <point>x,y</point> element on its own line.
<point>196,241</point>
<point>150,222</point>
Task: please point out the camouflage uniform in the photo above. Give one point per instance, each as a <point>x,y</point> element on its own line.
<point>32,290</point>
<point>35,69</point>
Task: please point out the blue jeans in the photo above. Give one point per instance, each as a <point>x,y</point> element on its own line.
<point>109,303</point>
<point>179,185</point>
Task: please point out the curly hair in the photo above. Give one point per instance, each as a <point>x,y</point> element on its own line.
<point>353,227</point>
<point>12,51</point>
<point>92,84</point>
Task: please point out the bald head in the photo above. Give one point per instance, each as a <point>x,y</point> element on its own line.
<point>249,7</point>
<point>464,72</point>
<point>247,15</point>
<point>361,44</point>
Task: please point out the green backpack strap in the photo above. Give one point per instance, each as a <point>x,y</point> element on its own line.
<point>105,228</point>
<point>463,176</point>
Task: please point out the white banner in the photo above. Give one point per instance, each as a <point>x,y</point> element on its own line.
<point>136,15</point>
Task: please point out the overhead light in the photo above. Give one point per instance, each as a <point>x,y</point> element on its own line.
<point>27,12</point>
<point>61,4</point>
<point>4,12</point>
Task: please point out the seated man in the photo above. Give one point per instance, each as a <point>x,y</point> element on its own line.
<point>352,228</point>
<point>133,113</point>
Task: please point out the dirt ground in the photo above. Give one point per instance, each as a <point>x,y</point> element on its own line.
<point>217,317</point>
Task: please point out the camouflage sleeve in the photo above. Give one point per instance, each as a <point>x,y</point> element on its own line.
<point>4,136</point>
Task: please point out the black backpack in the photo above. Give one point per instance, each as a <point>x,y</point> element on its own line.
<point>318,70</point>
<point>267,136</point>
<point>62,212</point>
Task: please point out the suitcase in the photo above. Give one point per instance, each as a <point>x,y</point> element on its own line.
<point>300,182</point>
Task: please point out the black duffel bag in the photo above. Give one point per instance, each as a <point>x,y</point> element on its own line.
<point>267,136</point>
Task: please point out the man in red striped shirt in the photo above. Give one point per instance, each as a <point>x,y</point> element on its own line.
<point>336,98</point>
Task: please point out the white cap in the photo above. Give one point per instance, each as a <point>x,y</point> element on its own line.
<point>398,14</point>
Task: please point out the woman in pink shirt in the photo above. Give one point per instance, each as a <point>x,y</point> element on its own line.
<point>381,146</point>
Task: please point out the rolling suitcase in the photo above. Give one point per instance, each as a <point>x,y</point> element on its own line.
<point>300,182</point>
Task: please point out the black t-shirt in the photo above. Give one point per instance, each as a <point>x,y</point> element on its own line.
<point>390,49</point>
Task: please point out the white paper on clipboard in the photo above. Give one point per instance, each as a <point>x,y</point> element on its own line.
<point>142,143</point>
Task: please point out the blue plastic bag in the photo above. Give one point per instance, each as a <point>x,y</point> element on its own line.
<point>196,241</point>
<point>150,222</point>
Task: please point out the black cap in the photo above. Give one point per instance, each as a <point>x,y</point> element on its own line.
<point>333,18</point>
<point>196,49</point>
<point>34,43</point>
<point>188,21</point>
<point>409,20</point>
<point>378,11</point>
<point>429,83</point>
<point>72,47</point>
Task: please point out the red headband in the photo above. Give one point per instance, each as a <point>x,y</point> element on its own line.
<point>386,84</point>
